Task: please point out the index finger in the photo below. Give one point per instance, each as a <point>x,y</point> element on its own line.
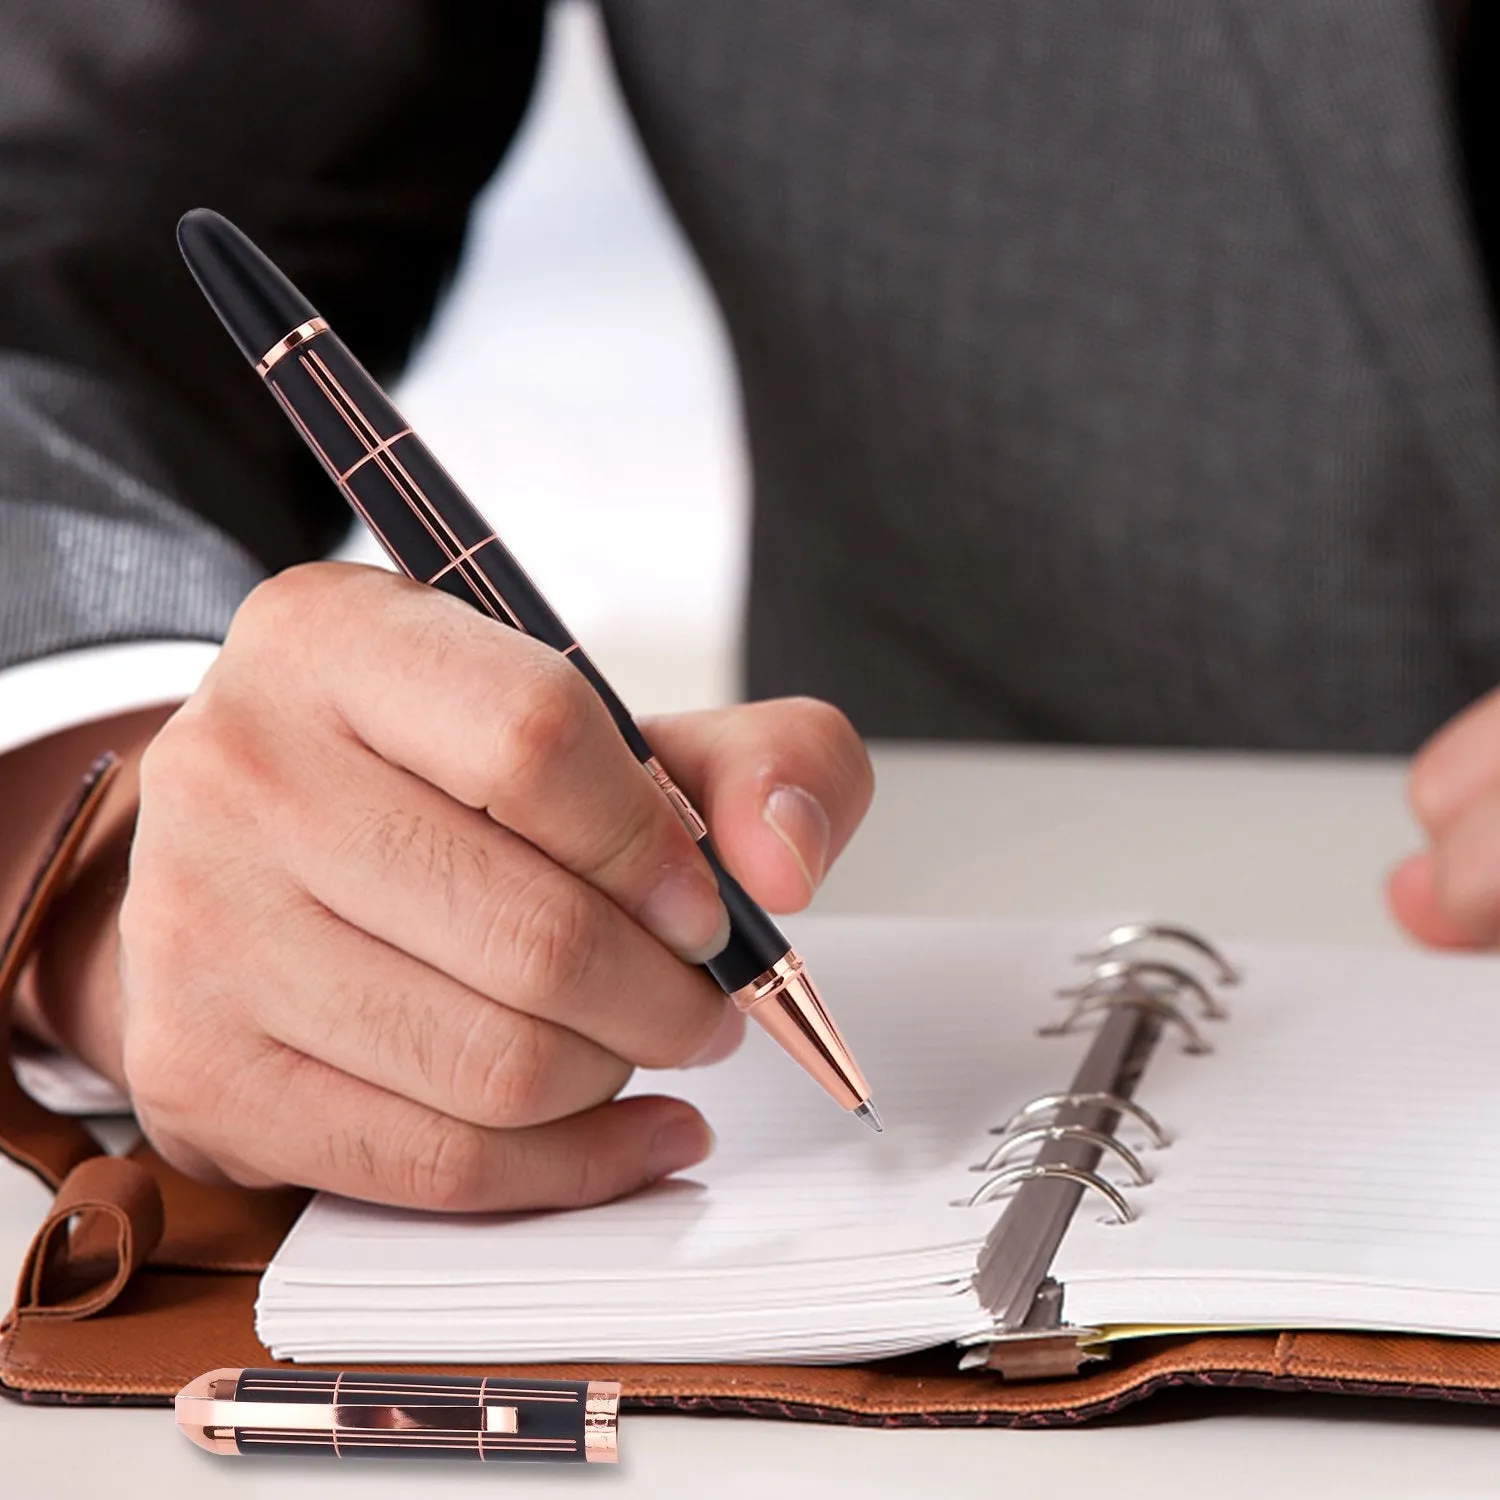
<point>501,722</point>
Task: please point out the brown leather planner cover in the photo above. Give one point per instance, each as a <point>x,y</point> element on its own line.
<point>140,1279</point>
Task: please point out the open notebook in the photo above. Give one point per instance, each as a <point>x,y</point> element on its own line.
<point>1332,1161</point>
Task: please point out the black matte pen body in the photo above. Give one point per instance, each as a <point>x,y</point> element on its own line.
<point>302,1413</point>
<point>434,534</point>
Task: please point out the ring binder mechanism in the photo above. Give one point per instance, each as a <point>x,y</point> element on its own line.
<point>1030,1171</point>
<point>1049,1104</point>
<point>1143,971</point>
<point>1139,996</point>
<point>1020,1139</point>
<point>1132,934</point>
<point>1142,999</point>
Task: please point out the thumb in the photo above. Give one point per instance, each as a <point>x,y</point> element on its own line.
<point>782,784</point>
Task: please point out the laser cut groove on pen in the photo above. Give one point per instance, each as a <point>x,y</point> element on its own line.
<point>462,557</point>
<point>412,495</point>
<point>323,458</point>
<point>385,443</point>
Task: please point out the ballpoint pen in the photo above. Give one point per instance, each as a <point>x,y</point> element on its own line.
<point>434,534</point>
<point>339,1414</point>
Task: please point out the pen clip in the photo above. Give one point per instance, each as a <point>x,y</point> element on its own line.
<point>420,1417</point>
<point>222,1411</point>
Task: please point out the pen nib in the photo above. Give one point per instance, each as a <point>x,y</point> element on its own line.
<point>871,1116</point>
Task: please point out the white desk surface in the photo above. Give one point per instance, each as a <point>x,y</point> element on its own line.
<point>1243,846</point>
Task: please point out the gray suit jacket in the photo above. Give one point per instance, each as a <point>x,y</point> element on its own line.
<point>1114,370</point>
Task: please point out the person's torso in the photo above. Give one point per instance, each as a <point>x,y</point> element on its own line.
<point>1112,372</point>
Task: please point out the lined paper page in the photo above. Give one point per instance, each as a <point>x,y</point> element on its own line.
<point>1336,1162</point>
<point>805,1236</point>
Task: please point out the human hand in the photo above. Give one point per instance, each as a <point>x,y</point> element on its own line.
<point>403,912</point>
<point>1449,894</point>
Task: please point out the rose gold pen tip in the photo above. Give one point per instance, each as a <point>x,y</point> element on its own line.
<point>871,1116</point>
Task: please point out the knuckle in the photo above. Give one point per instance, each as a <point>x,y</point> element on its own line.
<point>163,927</point>
<point>279,600</point>
<point>182,916</point>
<point>540,944</point>
<point>541,716</point>
<point>209,759</point>
<point>505,1070</point>
<point>164,750</point>
<point>445,1168</point>
<point>171,762</point>
<point>302,612</point>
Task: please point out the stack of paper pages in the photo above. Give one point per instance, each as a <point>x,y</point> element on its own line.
<point>805,1236</point>
<point>1334,1162</point>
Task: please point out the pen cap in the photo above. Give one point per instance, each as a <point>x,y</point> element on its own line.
<point>255,302</point>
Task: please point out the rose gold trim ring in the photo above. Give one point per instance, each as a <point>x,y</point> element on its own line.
<point>686,812</point>
<point>785,1001</point>
<point>763,986</point>
<point>601,1422</point>
<point>294,340</point>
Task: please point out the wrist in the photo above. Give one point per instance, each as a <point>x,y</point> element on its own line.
<point>69,997</point>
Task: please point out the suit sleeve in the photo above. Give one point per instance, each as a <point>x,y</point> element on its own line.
<point>146,482</point>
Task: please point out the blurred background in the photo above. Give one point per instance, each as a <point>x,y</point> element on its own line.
<point>577,383</point>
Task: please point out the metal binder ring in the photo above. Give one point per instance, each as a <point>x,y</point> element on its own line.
<point>1030,1171</point>
<point>1131,933</point>
<point>1035,1133</point>
<point>1159,1005</point>
<point>1122,971</point>
<point>1050,1104</point>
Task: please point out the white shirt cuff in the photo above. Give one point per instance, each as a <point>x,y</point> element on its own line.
<point>67,1086</point>
<point>52,693</point>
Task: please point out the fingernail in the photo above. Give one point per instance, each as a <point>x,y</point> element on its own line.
<point>685,913</point>
<point>724,1042</point>
<point>679,1144</point>
<point>797,818</point>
